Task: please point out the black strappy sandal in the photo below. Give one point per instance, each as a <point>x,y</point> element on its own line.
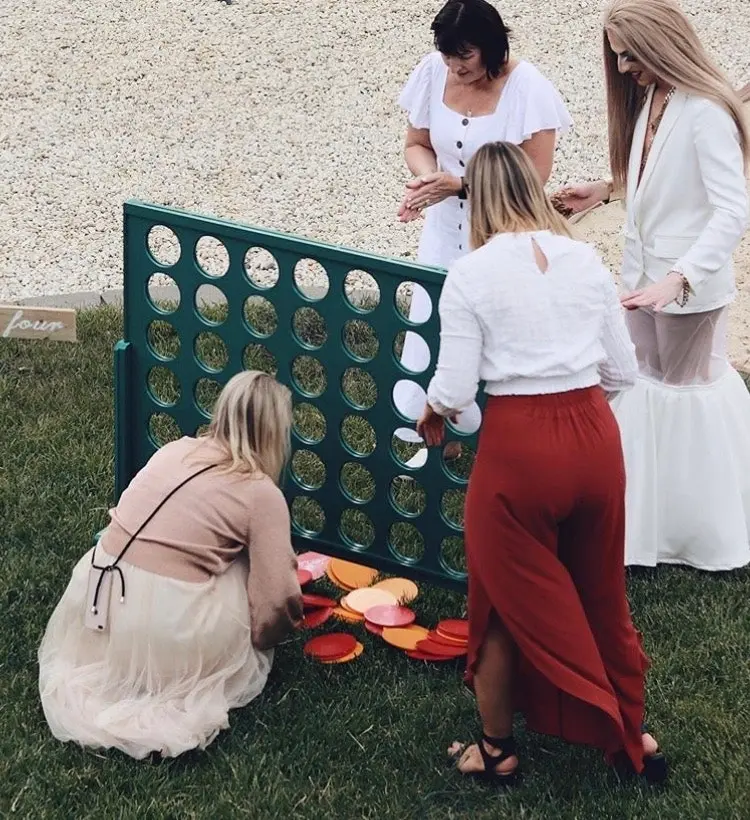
<point>507,748</point>
<point>655,768</point>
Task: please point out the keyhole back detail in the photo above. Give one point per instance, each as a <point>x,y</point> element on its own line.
<point>541,260</point>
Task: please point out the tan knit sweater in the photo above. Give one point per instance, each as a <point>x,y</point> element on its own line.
<point>206,525</point>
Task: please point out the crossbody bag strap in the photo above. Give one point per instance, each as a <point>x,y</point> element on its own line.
<point>113,566</point>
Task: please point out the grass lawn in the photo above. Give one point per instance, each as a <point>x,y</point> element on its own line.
<point>363,740</point>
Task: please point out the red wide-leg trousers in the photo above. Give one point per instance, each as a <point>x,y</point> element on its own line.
<point>545,534</point>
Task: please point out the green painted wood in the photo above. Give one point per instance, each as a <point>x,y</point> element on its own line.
<point>326,471</point>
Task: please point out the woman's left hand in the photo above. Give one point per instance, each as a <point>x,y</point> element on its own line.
<point>431,426</point>
<point>429,189</point>
<point>656,296</point>
<point>407,214</point>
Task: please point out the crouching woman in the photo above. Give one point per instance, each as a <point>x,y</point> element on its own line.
<point>170,621</point>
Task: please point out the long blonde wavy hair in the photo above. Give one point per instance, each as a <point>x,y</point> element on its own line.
<point>251,423</point>
<point>661,38</point>
<point>507,196</point>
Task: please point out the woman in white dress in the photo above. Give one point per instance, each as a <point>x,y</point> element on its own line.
<point>678,146</point>
<point>162,630</point>
<point>466,93</point>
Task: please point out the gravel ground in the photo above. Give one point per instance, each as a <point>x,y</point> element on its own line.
<point>276,113</point>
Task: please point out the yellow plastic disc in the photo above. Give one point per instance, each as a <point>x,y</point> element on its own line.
<point>337,581</point>
<point>346,615</point>
<point>405,637</point>
<point>358,649</point>
<point>404,589</point>
<point>352,575</point>
<point>360,600</point>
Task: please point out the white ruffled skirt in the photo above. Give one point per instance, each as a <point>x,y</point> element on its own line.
<point>176,658</point>
<point>687,458</point>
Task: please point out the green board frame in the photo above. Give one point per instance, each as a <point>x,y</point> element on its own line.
<point>431,526</point>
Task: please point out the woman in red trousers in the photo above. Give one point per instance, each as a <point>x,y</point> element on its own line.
<point>536,316</point>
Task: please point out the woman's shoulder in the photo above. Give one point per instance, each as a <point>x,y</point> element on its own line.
<point>705,108</point>
<point>264,492</point>
<point>562,247</point>
<point>415,95</point>
<point>427,67</point>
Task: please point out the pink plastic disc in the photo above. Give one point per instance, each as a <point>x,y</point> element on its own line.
<point>387,615</point>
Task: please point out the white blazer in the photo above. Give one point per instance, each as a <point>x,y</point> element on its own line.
<point>690,209</point>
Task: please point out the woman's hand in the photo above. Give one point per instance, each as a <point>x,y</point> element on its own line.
<point>431,426</point>
<point>429,189</point>
<point>656,296</point>
<point>577,198</point>
<point>407,214</point>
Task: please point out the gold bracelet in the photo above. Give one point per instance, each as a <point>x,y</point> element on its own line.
<point>682,299</point>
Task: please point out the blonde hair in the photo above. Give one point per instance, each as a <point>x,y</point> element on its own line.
<point>251,422</point>
<point>660,37</point>
<point>507,196</point>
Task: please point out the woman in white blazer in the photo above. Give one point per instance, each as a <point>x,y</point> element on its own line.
<point>678,149</point>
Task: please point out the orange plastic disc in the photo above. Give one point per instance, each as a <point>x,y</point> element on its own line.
<point>405,637</point>
<point>360,600</point>
<point>438,637</point>
<point>358,649</point>
<point>336,581</point>
<point>404,589</point>
<point>345,605</point>
<point>352,575</point>
<point>345,615</point>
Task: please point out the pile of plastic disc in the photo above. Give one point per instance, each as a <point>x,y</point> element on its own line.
<point>380,606</point>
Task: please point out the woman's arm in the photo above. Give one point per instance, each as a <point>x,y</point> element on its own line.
<point>273,591</point>
<point>418,151</point>
<point>722,172</point>
<point>454,385</point>
<point>540,149</point>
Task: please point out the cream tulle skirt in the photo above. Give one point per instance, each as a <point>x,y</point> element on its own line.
<point>176,658</point>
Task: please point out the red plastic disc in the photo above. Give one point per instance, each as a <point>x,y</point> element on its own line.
<point>316,617</point>
<point>374,628</point>
<point>454,628</point>
<point>440,649</point>
<point>388,615</point>
<point>423,656</point>
<point>315,601</point>
<point>304,576</point>
<point>331,646</point>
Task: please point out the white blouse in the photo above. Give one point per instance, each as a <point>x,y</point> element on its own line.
<point>524,332</point>
<point>529,103</point>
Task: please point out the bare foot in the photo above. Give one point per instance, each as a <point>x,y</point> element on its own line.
<point>470,760</point>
